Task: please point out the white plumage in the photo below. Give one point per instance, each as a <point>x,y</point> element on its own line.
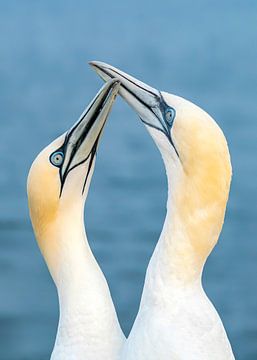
<point>58,184</point>
<point>176,320</point>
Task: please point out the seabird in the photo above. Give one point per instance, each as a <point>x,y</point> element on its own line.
<point>58,184</point>
<point>176,320</point>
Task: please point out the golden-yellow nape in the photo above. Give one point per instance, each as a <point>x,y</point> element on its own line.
<point>204,172</point>
<point>59,177</point>
<point>43,187</point>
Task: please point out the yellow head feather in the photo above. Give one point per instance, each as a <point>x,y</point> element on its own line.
<point>43,187</point>
<point>202,194</point>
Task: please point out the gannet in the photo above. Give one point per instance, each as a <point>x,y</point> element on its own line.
<point>58,184</point>
<point>176,320</point>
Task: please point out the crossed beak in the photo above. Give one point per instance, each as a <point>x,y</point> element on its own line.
<point>144,99</point>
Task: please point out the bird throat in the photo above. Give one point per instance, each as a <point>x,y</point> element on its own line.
<point>194,219</point>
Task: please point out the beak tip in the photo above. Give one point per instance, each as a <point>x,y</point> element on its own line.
<point>91,63</point>
<point>97,64</point>
<point>102,70</point>
<point>113,84</point>
<point>116,81</point>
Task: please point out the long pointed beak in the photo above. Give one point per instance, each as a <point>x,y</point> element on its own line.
<point>82,139</point>
<point>144,99</point>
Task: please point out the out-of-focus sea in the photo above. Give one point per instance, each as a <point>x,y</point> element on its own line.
<point>205,51</point>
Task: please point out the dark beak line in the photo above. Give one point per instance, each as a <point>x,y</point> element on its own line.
<point>88,126</point>
<point>138,99</point>
<point>82,137</point>
<point>129,80</point>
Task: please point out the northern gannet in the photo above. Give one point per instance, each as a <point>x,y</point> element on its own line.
<point>58,184</point>
<point>176,320</point>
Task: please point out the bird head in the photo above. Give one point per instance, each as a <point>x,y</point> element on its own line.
<point>191,143</point>
<point>59,177</point>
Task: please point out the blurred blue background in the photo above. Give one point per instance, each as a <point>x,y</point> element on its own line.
<point>202,50</point>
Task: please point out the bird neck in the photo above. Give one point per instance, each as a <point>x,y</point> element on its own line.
<point>88,323</point>
<point>195,214</point>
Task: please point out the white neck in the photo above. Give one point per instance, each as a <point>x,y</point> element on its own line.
<point>184,243</point>
<point>88,326</point>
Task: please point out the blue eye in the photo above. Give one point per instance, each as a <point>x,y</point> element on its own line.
<point>169,115</point>
<point>57,158</point>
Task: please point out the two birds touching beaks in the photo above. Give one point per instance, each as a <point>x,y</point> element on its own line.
<point>176,320</point>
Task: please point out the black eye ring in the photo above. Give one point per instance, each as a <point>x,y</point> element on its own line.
<point>57,158</point>
<point>169,115</point>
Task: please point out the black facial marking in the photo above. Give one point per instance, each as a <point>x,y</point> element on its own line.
<point>63,178</point>
<point>164,108</point>
<point>63,148</point>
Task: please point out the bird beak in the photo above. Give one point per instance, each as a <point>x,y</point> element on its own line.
<point>81,140</point>
<point>145,100</point>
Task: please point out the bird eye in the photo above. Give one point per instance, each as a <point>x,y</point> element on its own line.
<point>169,116</point>
<point>57,158</point>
